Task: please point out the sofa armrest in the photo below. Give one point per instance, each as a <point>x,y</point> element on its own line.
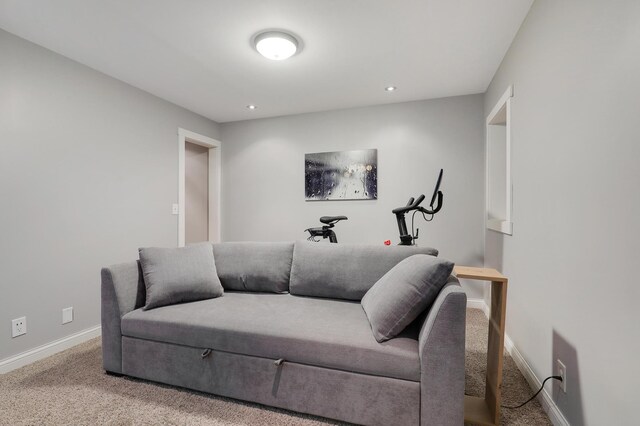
<point>122,291</point>
<point>442,353</point>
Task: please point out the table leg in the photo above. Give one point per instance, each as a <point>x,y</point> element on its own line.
<point>495,349</point>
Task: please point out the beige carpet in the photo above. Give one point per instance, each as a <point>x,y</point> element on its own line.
<point>515,389</point>
<point>70,388</point>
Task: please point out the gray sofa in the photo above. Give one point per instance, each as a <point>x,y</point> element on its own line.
<point>306,345</point>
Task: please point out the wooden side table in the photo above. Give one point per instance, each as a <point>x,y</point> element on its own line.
<point>478,410</point>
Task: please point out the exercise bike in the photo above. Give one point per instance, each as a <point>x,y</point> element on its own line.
<point>407,239</point>
<point>325,231</point>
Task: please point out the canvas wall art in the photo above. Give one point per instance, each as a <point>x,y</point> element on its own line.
<point>341,175</point>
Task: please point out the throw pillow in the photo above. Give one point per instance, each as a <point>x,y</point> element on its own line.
<point>175,275</point>
<point>403,293</point>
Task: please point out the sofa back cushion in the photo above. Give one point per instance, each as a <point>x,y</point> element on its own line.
<point>252,266</point>
<point>344,271</point>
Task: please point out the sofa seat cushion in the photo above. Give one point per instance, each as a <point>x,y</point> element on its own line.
<point>321,332</point>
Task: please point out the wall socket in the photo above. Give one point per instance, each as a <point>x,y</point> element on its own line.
<point>67,315</point>
<point>18,326</point>
<point>562,372</point>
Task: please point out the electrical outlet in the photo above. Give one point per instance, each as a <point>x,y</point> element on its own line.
<point>562,372</point>
<point>175,209</point>
<point>19,327</point>
<point>67,315</point>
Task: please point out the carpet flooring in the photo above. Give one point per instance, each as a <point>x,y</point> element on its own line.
<point>515,389</point>
<point>70,388</point>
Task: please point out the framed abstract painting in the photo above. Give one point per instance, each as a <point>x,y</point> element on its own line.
<point>341,175</point>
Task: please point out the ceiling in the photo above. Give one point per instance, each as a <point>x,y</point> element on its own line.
<point>197,53</point>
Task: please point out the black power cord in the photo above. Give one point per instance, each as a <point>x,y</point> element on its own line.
<point>413,234</point>
<point>534,395</point>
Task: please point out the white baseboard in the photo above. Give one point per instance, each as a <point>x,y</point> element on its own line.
<point>478,304</point>
<point>35,354</point>
<point>548,405</point>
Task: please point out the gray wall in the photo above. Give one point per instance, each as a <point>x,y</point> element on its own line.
<point>573,290</point>
<point>263,181</point>
<point>88,172</point>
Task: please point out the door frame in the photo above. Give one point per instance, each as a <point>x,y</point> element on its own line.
<point>215,173</point>
<point>505,224</point>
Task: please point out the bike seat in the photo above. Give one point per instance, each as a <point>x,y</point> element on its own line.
<point>332,219</point>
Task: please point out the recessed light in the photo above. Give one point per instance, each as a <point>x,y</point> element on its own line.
<point>252,107</point>
<point>275,45</point>
<point>390,88</point>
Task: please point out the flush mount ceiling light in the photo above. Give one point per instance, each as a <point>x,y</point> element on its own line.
<point>275,45</point>
<point>390,88</point>
<point>252,107</point>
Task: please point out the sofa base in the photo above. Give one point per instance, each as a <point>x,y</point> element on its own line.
<point>341,395</point>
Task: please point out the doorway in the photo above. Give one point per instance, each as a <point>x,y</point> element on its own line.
<point>199,171</point>
<point>196,194</point>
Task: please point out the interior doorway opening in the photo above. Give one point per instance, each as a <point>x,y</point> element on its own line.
<point>196,206</point>
<point>199,171</point>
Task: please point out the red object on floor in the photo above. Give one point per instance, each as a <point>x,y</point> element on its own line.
<point>387,243</point>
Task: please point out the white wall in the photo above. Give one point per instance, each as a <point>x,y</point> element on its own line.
<point>263,181</point>
<point>573,291</point>
<point>88,173</point>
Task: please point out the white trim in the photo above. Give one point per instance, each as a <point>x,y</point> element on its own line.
<point>478,304</point>
<point>503,226</point>
<point>215,183</point>
<point>498,106</point>
<point>500,225</point>
<point>548,405</point>
<point>44,351</point>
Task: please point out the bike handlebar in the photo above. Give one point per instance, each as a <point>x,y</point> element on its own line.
<point>411,205</point>
<point>438,205</point>
<point>415,205</point>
